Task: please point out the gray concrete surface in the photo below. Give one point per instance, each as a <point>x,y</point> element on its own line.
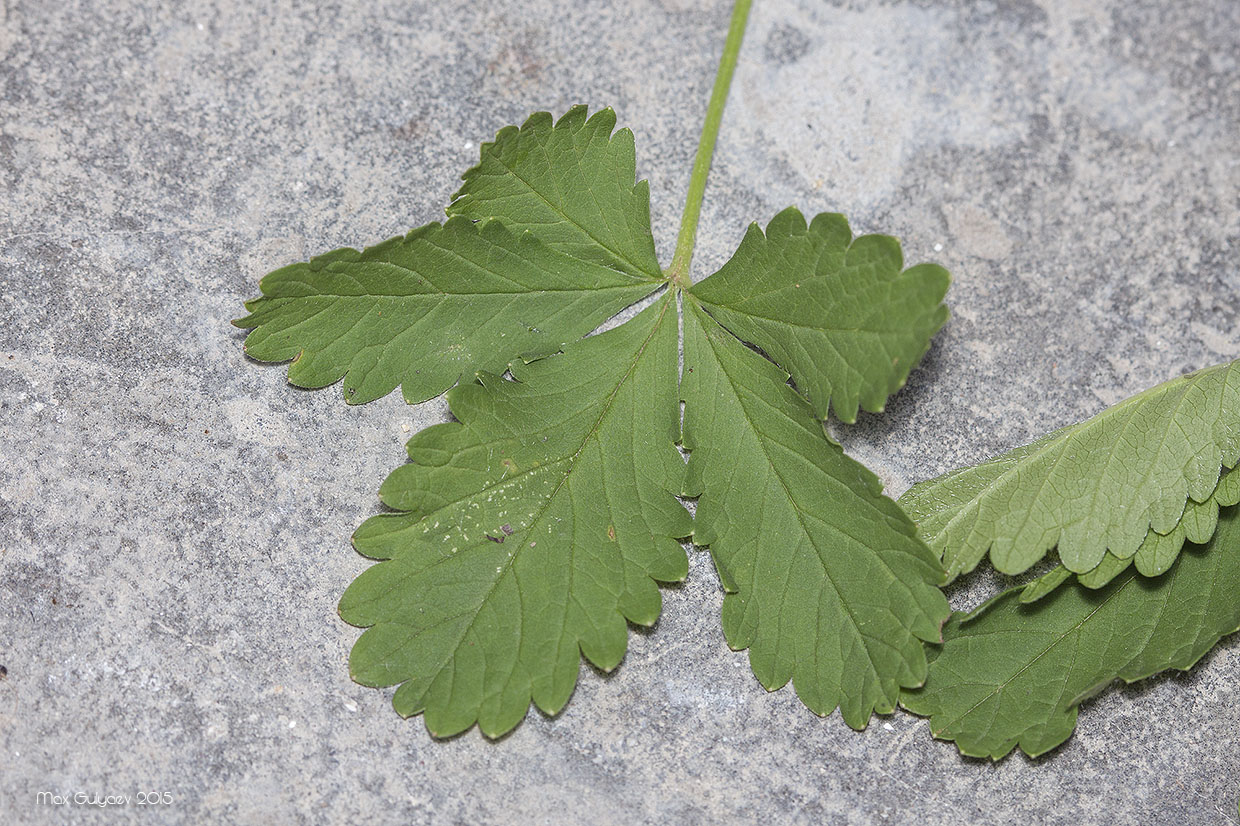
<point>174,519</point>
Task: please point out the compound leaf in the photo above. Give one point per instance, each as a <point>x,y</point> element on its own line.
<point>571,184</point>
<point>838,313</point>
<point>528,531</point>
<point>424,309</point>
<point>1013,674</point>
<point>1097,486</point>
<point>828,584</point>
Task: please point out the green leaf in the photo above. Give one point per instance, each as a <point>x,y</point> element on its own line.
<point>827,582</point>
<point>1014,674</point>
<point>1158,552</point>
<point>572,184</point>
<point>425,309</point>
<point>1099,485</point>
<point>837,313</point>
<point>1048,582</point>
<point>528,531</point>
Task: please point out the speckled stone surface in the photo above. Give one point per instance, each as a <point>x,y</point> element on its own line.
<point>174,519</point>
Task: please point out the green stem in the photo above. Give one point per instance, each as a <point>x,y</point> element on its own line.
<point>678,273</point>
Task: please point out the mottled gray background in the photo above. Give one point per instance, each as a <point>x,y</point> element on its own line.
<point>174,519</point>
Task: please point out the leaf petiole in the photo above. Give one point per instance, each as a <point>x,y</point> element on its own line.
<point>678,272</point>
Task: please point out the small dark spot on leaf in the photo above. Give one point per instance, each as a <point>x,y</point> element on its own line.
<point>499,539</point>
<point>506,528</point>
